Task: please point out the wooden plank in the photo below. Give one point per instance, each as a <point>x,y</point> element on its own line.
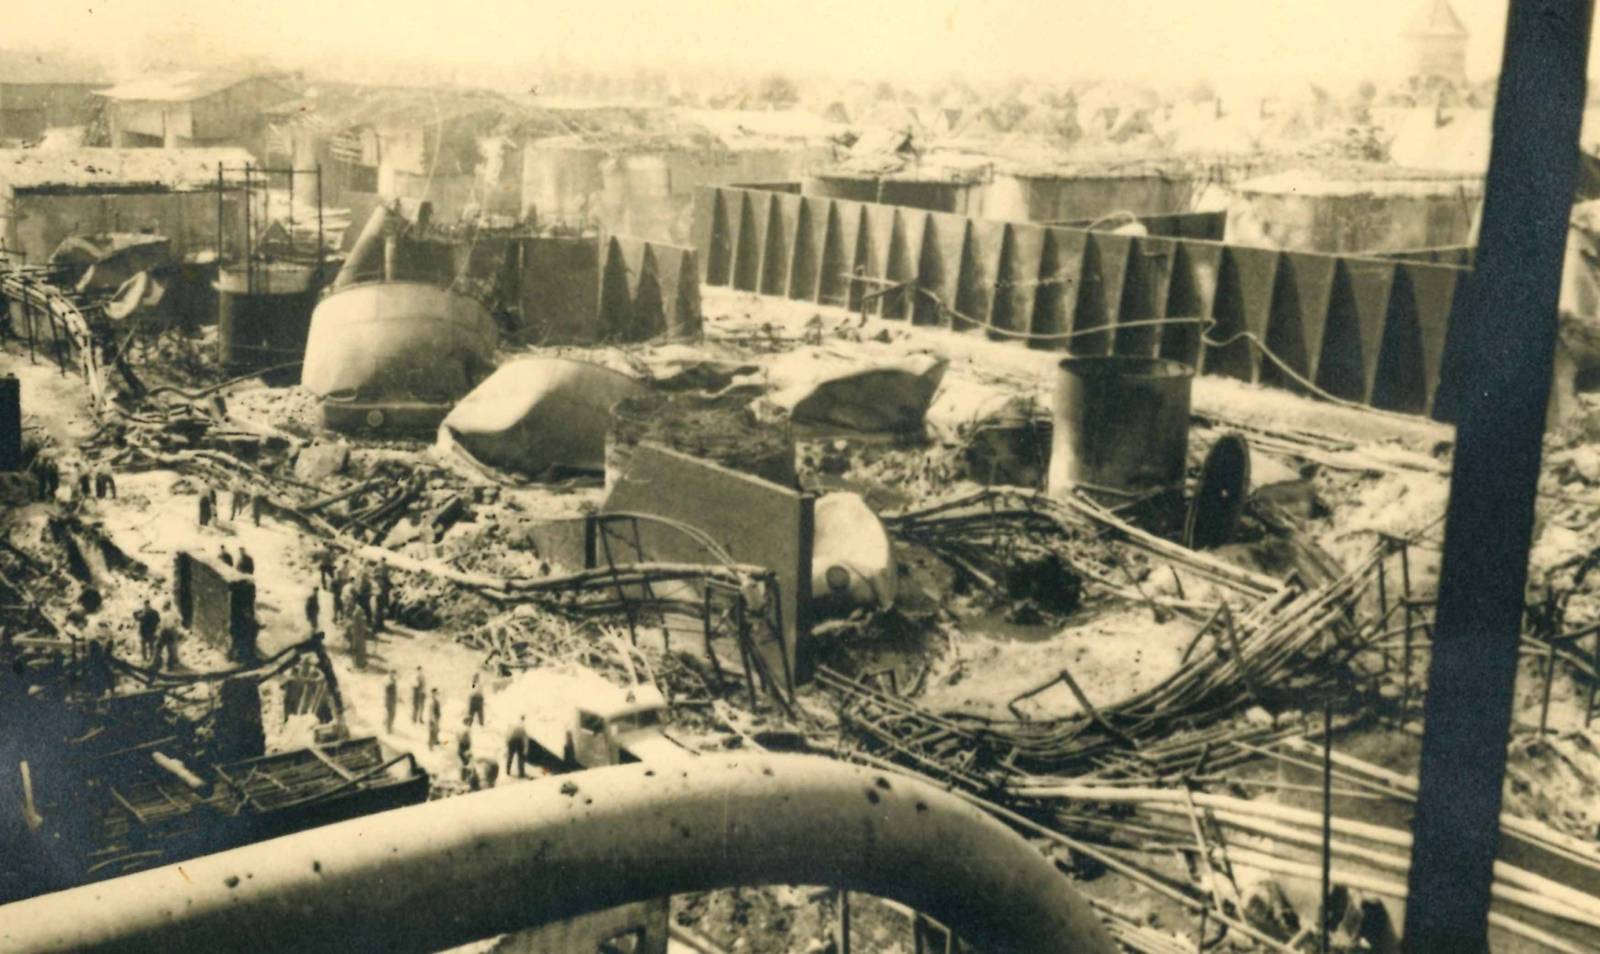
<point>330,763</point>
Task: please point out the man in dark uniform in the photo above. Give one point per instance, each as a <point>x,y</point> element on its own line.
<point>433,718</point>
<point>380,605</point>
<point>149,621</point>
<point>247,563</point>
<point>313,609</point>
<point>336,589</point>
<point>167,644</point>
<point>419,695</point>
<point>517,747</point>
<point>224,555</point>
<point>464,747</point>
<point>363,594</point>
<point>205,506</point>
<point>325,568</point>
<point>391,702</point>
<point>355,632</point>
<point>475,703</point>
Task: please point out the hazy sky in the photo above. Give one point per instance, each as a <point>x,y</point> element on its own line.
<point>1154,39</point>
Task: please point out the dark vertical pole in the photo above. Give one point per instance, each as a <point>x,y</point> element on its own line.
<point>244,248</point>
<point>220,227</point>
<point>291,209</point>
<point>319,220</point>
<point>1327,818</point>
<point>1405,652</point>
<point>1504,341</point>
<point>1549,681</point>
<point>27,311</point>
<point>843,943</point>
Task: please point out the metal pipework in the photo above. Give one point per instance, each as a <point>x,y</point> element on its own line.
<point>454,871</point>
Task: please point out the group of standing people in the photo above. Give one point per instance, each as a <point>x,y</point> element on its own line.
<point>359,599</point>
<point>244,564</point>
<point>155,640</point>
<point>239,501</point>
<point>355,589</point>
<point>96,480</point>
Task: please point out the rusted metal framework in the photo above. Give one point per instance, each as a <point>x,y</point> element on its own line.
<point>415,879</point>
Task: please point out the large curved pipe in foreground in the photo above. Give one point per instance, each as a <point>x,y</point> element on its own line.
<point>453,871</point>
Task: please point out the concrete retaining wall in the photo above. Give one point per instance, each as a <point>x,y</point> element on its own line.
<point>1356,223</point>
<point>1365,329</point>
<point>645,193</point>
<point>36,221</point>
<point>755,521</point>
<point>217,602</point>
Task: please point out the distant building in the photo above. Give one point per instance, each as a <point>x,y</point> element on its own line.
<point>1438,42</point>
<point>40,91</point>
<point>47,195</point>
<point>191,108</point>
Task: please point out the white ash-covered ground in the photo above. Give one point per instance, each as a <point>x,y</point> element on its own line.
<point>1359,475</point>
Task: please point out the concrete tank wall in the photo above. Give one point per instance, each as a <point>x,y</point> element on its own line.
<point>37,221</point>
<point>962,198</point>
<point>1019,198</point>
<point>1354,218</point>
<point>646,194</point>
<point>1062,199</point>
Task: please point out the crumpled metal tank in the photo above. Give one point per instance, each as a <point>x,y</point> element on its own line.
<point>537,413</point>
<point>395,355</point>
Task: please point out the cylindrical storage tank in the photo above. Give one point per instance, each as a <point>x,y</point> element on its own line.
<point>1121,426</point>
<point>263,314</point>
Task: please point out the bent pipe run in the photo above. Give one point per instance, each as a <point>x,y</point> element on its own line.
<point>450,872</point>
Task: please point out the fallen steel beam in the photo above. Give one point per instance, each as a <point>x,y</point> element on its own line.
<point>461,869</point>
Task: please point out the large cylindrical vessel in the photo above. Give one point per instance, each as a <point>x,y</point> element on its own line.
<point>1121,426</point>
<point>263,314</point>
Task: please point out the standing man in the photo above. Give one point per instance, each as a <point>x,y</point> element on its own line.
<point>255,508</point>
<point>363,594</point>
<point>433,718</point>
<point>419,695</point>
<point>517,747</point>
<point>325,567</point>
<point>336,590</point>
<point>111,481</point>
<point>149,621</point>
<point>224,555</point>
<point>313,608</point>
<point>391,702</point>
<point>167,644</point>
<point>247,564</point>
<point>475,703</point>
<point>464,747</point>
<point>235,501</point>
<point>205,506</point>
<point>381,598</point>
<point>355,633</point>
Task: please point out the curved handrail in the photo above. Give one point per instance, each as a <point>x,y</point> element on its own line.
<point>450,872</point>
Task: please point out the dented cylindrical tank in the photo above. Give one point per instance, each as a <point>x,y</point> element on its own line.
<point>1121,425</point>
<point>264,314</point>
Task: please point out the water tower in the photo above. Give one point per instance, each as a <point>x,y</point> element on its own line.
<point>1437,42</point>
